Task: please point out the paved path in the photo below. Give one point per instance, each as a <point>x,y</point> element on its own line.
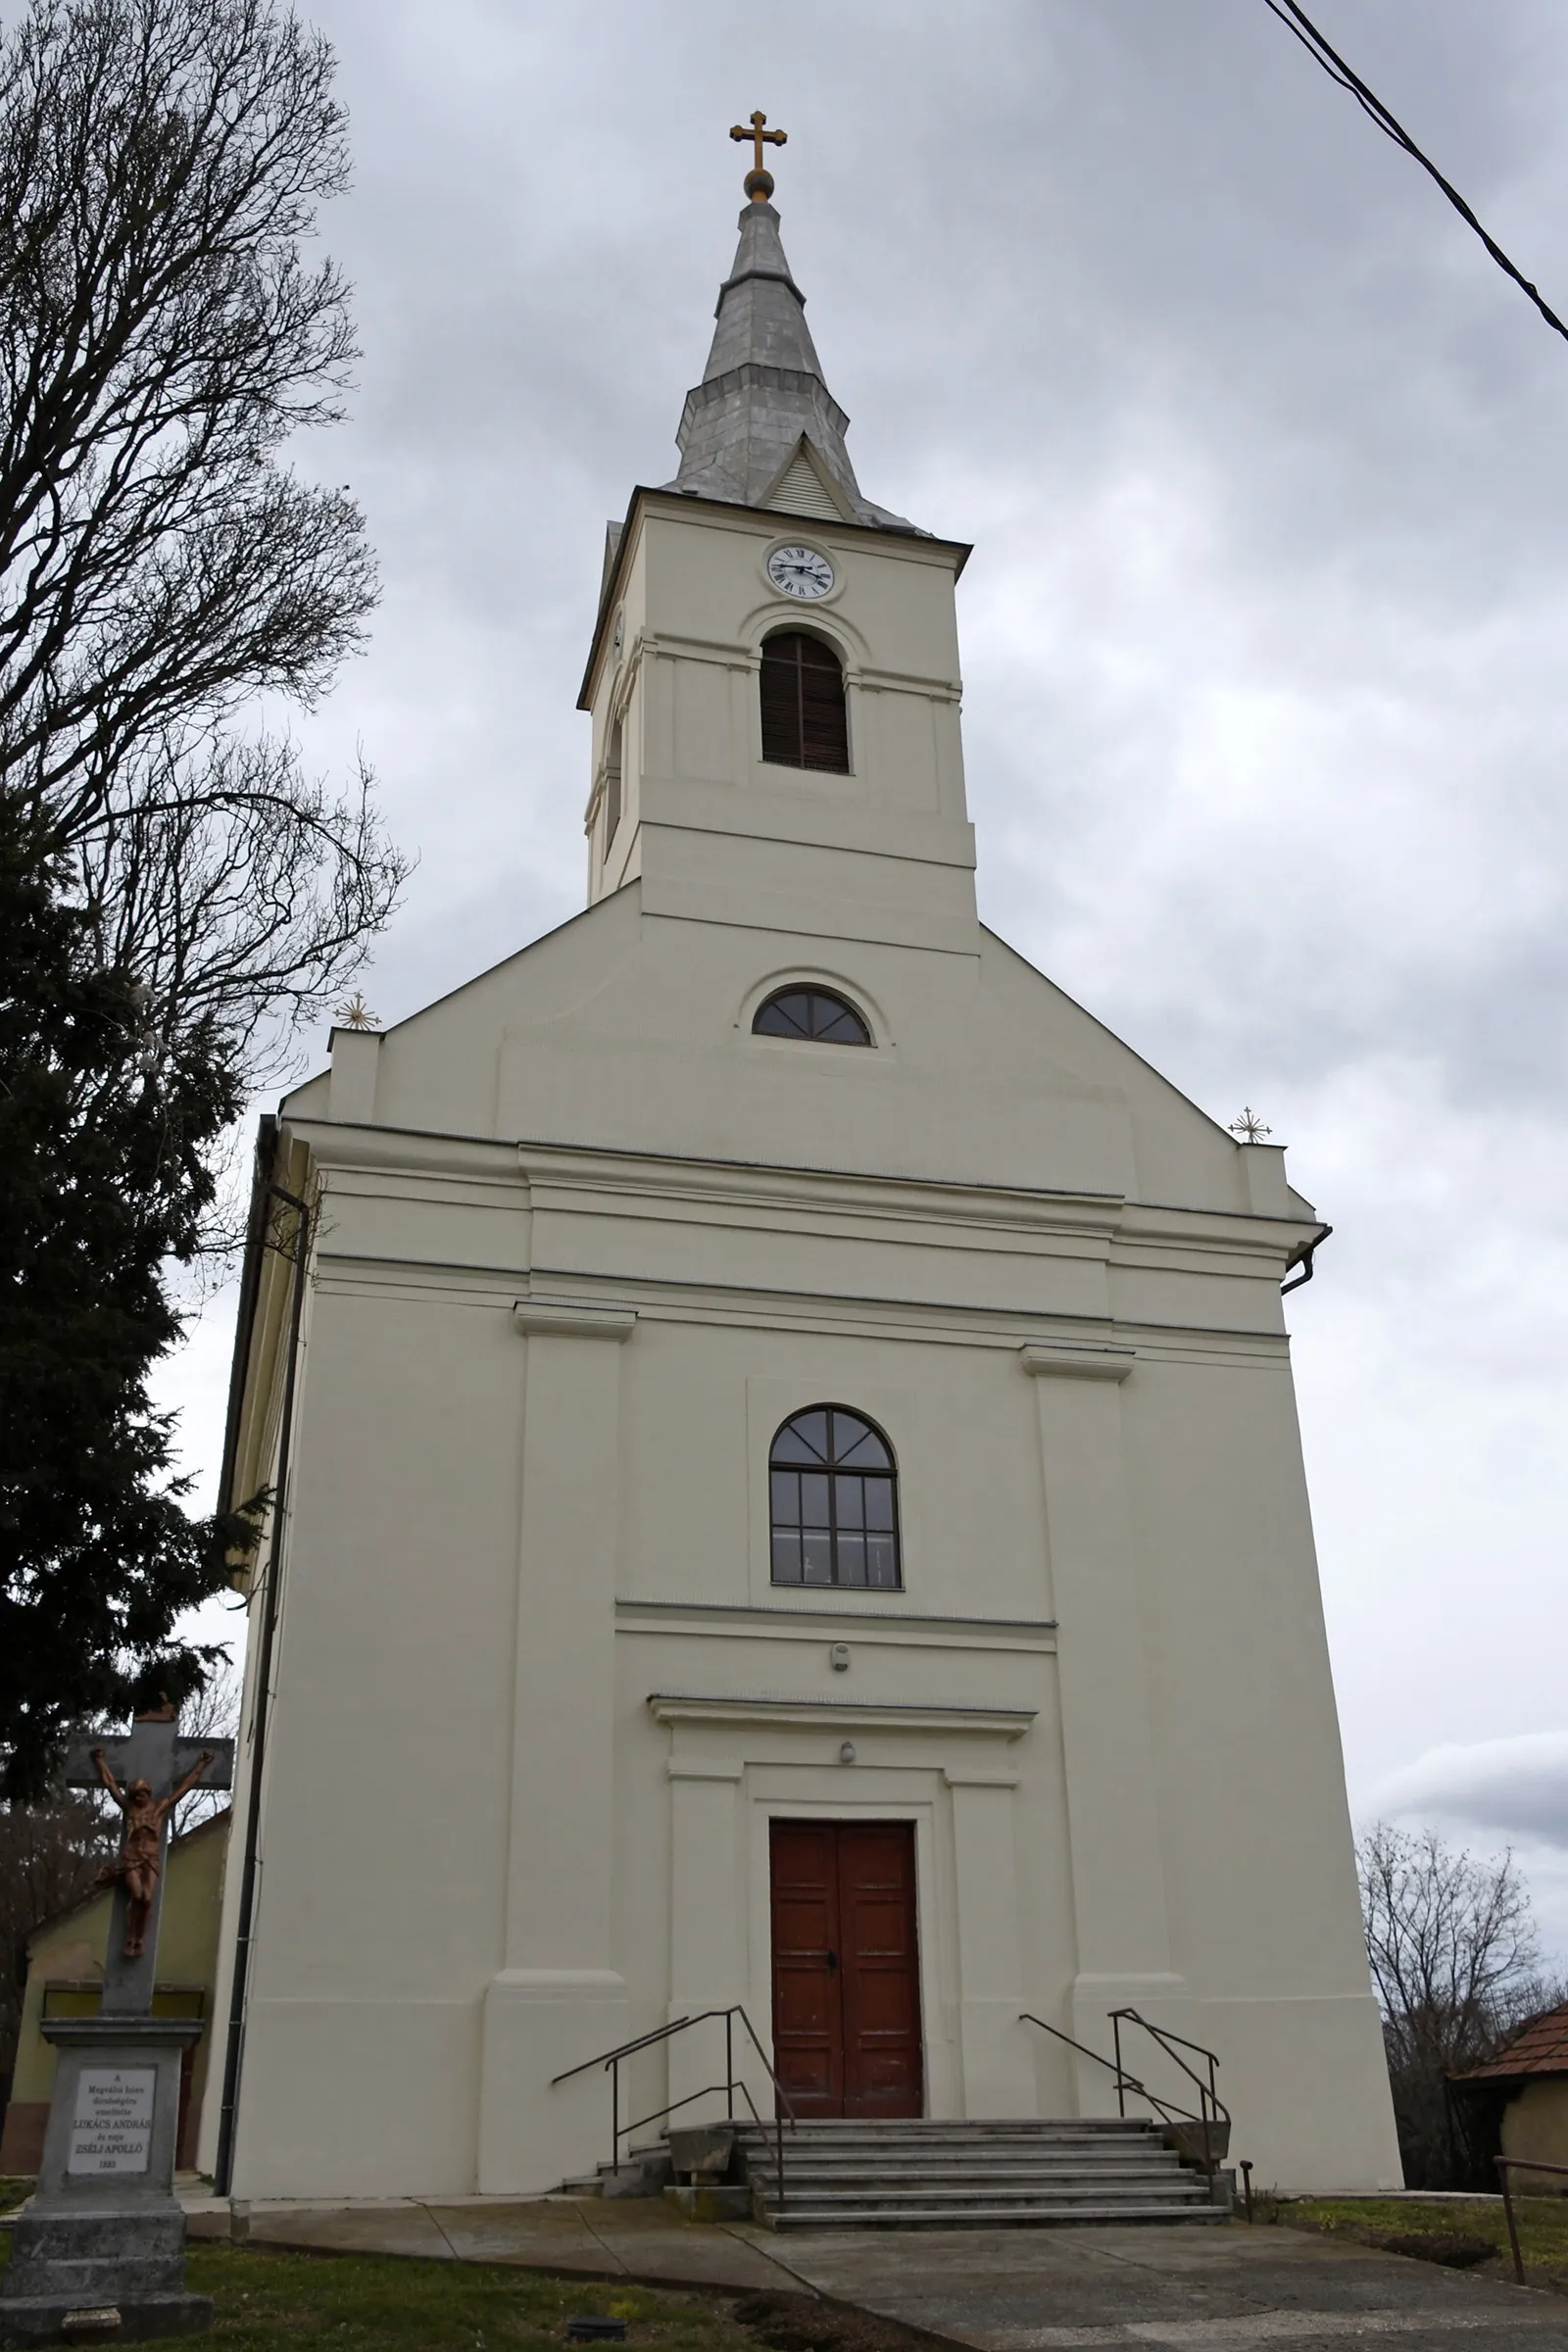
<point>1235,2289</point>
<point>622,2237</point>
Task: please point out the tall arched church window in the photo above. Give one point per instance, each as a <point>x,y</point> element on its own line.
<point>805,722</point>
<point>811,1013</point>
<point>835,1504</point>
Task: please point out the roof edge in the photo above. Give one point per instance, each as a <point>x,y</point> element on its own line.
<point>963,549</point>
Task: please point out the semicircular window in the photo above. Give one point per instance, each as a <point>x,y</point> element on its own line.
<point>811,1013</point>
<point>834,1502</point>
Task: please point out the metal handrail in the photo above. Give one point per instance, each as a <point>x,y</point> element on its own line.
<point>1211,2106</point>
<point>1522,2164</point>
<point>1165,2109</point>
<point>609,2061</point>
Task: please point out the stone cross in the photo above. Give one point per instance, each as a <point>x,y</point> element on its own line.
<point>150,1770</point>
<point>100,2248</point>
<point>759,138</point>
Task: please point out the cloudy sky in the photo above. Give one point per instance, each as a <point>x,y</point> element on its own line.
<point>1266,714</point>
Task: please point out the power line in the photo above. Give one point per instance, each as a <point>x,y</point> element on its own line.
<point>1297,23</point>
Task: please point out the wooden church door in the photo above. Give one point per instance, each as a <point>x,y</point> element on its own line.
<point>846,1968</point>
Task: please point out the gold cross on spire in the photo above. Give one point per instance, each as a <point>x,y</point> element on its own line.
<point>758,183</point>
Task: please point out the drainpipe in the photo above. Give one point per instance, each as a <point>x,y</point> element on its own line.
<point>229,2114</point>
<point>1304,1262</point>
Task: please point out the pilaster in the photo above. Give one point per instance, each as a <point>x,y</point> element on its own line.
<point>559,1997</point>
<point>1123,1934</point>
<point>706,1970</point>
<point>351,1087</point>
<point>998,2078</point>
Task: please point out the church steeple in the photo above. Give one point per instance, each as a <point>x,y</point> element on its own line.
<point>774,672</point>
<point>761,429</point>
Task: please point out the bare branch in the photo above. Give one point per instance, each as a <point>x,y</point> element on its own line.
<point>1456,1961</point>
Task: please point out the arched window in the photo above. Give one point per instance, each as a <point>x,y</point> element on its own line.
<point>612,789</point>
<point>835,1505</point>
<point>804,723</point>
<point>811,1013</point>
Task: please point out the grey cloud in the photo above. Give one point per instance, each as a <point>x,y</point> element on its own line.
<point>1266,718</point>
<point>1516,1788</point>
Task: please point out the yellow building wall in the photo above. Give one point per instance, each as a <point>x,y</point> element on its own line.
<point>1535,2125</point>
<point>65,1978</point>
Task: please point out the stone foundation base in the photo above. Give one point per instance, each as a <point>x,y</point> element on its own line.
<point>59,2320</point>
<point>722,2204</point>
<point>70,2270</point>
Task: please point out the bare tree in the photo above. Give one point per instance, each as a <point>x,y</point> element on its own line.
<point>1457,1966</point>
<point>162,340</point>
<point>175,888</point>
<point>212,1714</point>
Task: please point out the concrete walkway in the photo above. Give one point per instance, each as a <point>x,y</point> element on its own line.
<point>999,2290</point>
<point>622,2237</point>
<point>1236,2288</point>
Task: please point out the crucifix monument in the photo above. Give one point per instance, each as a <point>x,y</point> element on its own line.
<point>103,2239</point>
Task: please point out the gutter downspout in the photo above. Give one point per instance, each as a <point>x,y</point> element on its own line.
<point>1304,1262</point>
<point>229,2114</point>
<point>250,1289</point>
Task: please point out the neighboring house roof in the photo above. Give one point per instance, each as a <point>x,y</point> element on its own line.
<point>1540,2047</point>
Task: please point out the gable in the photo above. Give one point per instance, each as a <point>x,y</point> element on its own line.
<point>631,1032</point>
<point>802,489</point>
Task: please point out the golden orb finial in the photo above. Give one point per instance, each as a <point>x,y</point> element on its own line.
<point>758,182</point>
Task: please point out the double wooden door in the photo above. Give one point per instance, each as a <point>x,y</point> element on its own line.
<point>846,1968</point>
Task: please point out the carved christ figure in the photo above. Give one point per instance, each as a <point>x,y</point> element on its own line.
<point>141,1847</point>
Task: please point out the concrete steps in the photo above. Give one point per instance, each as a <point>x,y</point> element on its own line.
<point>984,2175</point>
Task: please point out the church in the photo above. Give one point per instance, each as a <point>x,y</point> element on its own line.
<point>792,1500</point>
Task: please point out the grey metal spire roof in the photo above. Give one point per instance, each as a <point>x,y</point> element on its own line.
<point>761,429</point>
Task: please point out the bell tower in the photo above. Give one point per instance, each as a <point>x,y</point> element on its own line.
<point>773,679</point>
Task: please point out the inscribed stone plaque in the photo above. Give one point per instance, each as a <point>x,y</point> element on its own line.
<point>111,2129</point>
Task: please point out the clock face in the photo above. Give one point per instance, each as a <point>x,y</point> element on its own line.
<point>801,571</point>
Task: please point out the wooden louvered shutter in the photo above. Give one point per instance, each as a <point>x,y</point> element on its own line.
<point>805,722</point>
<point>825,722</point>
<point>781,704</point>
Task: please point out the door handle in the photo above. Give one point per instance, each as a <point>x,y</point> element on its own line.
<point>832,1963</point>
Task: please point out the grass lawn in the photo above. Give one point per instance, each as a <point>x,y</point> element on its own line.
<point>265,2300</point>
<point>1542,2227</point>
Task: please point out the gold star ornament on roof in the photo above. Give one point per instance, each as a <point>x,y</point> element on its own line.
<point>354,1013</point>
<point>1249,1127</point>
<point>758,183</point>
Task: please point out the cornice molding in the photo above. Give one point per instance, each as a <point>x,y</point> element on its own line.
<point>825,1619</point>
<point>1059,1359</point>
<point>405,1152</point>
<point>566,1170</point>
<point>838,1714</point>
<point>543,1318</point>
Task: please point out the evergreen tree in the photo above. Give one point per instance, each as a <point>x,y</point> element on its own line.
<point>105,1177</point>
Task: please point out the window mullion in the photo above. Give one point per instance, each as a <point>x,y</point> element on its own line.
<point>832,1510</point>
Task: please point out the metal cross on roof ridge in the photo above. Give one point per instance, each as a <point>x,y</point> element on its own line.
<point>1249,1127</point>
<point>758,182</point>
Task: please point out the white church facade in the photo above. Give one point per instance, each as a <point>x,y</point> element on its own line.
<point>793,1493</point>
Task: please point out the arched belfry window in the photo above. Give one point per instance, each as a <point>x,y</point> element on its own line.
<point>613,787</point>
<point>805,722</point>
<point>835,1504</point>
<point>815,1014</point>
